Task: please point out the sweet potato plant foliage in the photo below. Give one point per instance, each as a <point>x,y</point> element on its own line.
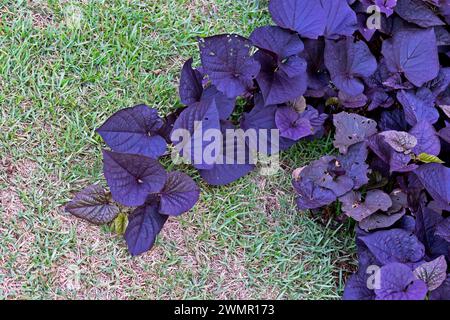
<point>374,73</point>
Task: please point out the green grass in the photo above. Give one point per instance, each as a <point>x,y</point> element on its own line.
<point>58,83</point>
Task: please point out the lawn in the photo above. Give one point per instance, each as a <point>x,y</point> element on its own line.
<point>65,66</point>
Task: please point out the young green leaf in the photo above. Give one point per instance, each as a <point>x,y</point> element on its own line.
<point>120,223</point>
<point>428,158</point>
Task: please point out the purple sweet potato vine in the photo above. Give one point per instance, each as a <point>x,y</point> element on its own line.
<point>391,87</point>
<point>384,93</point>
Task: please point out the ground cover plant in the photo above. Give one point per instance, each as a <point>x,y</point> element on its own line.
<point>389,96</point>
<point>66,66</point>
<point>390,176</point>
<point>229,70</point>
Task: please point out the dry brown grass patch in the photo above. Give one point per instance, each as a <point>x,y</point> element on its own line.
<point>21,249</point>
<point>203,8</point>
<point>98,279</point>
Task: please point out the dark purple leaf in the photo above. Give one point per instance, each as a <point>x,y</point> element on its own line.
<point>144,224</point>
<point>375,81</point>
<point>225,106</point>
<point>427,222</point>
<point>134,130</point>
<point>318,77</point>
<point>427,139</point>
<point>191,87</point>
<point>444,134</point>
<point>394,24</point>
<point>169,121</point>
<point>227,62</point>
<point>356,288</point>
<point>291,124</point>
<point>347,61</point>
<point>352,129</point>
<point>92,204</point>
<point>319,183</point>
<point>438,206</point>
<point>365,31</point>
<point>399,201</point>
<point>191,91</point>
<point>293,67</point>
<point>408,223</point>
<point>397,282</point>
<point>445,10</point>
<point>398,162</point>
<point>433,273</point>
<point>352,102</point>
<point>443,230</point>
<point>365,257</point>
<point>415,191</point>
<point>443,292</point>
<point>354,207</point>
<point>436,3</point>
<point>233,162</point>
<point>317,187</point>
<point>361,284</point>
<point>281,82</point>
<point>189,129</point>
<point>442,35</point>
<point>379,99</point>
<point>278,41</point>
<point>393,120</point>
<point>310,196</point>
<point>395,81</point>
<point>179,195</point>
<point>316,119</point>
<point>380,220</point>
<point>395,245</point>
<point>440,83</point>
<point>436,179</point>
<point>376,92</point>
<point>419,106</point>
<point>400,141</point>
<point>414,53</point>
<point>262,119</point>
<point>354,164</point>
<point>338,184</point>
<point>327,173</point>
<point>417,11</point>
<point>132,177</point>
<point>341,19</point>
<point>307,17</point>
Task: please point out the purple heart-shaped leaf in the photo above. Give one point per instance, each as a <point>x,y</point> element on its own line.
<point>132,177</point>
<point>134,130</point>
<point>179,195</point>
<point>144,224</point>
<point>92,204</point>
